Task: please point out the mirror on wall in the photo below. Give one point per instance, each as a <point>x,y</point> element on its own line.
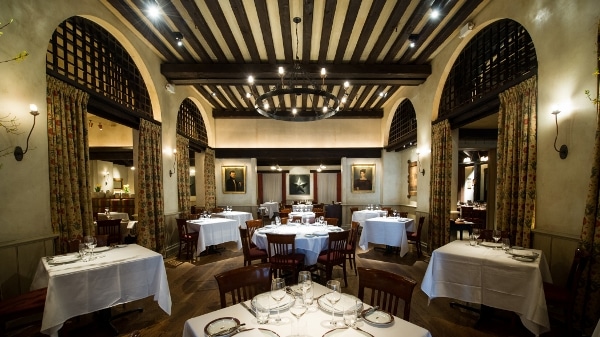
<point>473,176</point>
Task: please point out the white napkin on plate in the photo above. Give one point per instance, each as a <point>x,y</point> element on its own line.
<point>268,302</point>
<point>64,258</point>
<point>251,333</point>
<point>523,252</point>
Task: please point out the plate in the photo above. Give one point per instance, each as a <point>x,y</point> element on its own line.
<point>221,326</point>
<point>528,254</point>
<point>378,318</point>
<point>285,303</point>
<point>249,332</point>
<point>63,259</point>
<point>524,259</point>
<point>346,332</point>
<point>491,244</point>
<point>101,249</point>
<point>269,226</point>
<point>265,231</point>
<point>321,233</point>
<point>334,229</point>
<point>346,302</point>
<point>309,235</point>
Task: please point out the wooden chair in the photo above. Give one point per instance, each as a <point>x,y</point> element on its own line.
<point>564,297</point>
<point>244,283</point>
<point>335,255</point>
<point>351,246</point>
<point>282,254</point>
<point>388,210</point>
<point>253,225</point>
<point>112,228</point>
<point>332,221</point>
<point>251,253</point>
<point>319,214</point>
<point>296,218</point>
<point>415,237</point>
<point>284,221</point>
<point>285,213</point>
<point>23,305</point>
<point>404,214</point>
<point>317,210</point>
<point>101,240</point>
<point>71,245</point>
<point>386,290</point>
<point>217,210</point>
<point>353,209</point>
<point>190,240</point>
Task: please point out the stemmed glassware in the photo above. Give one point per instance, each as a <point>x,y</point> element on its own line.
<point>305,284</point>
<point>278,220</point>
<point>496,235</point>
<point>476,234</point>
<point>90,242</point>
<point>333,297</point>
<point>298,309</point>
<point>278,293</point>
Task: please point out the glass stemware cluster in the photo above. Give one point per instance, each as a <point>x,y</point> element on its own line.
<point>90,243</point>
<point>333,296</point>
<point>278,293</point>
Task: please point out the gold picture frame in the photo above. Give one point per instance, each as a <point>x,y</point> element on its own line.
<point>234,179</point>
<point>117,183</point>
<point>363,178</point>
<point>413,172</point>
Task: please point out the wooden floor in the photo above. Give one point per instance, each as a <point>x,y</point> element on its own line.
<point>194,292</point>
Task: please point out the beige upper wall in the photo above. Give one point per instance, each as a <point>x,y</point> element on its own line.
<point>564,33</point>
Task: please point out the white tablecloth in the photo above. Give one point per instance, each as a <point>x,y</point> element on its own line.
<point>116,276</point>
<point>214,231</point>
<point>271,206</point>
<point>240,217</point>
<point>363,215</point>
<point>386,231</point>
<point>302,208</point>
<point>305,215</point>
<point>309,246</point>
<point>310,322</point>
<point>113,215</point>
<point>491,277</point>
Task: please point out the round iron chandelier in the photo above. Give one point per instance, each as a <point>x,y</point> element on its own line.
<point>296,98</point>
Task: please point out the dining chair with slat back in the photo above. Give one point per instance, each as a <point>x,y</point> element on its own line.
<point>285,213</point>
<point>332,221</point>
<point>404,214</point>
<point>388,210</point>
<point>251,253</point>
<point>335,255</point>
<point>112,228</point>
<point>101,240</point>
<point>351,246</point>
<point>243,283</point>
<point>281,249</point>
<point>297,218</point>
<point>385,289</point>
<point>415,237</point>
<point>252,226</point>
<point>71,245</point>
<point>187,239</point>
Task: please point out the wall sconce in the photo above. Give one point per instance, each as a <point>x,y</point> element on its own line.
<point>19,153</point>
<point>171,172</point>
<point>100,126</point>
<point>419,168</point>
<point>564,150</point>
<point>106,174</point>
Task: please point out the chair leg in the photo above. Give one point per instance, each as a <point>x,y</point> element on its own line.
<point>179,254</point>
<point>344,271</point>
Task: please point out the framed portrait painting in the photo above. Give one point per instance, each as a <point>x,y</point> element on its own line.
<point>234,179</point>
<point>363,177</point>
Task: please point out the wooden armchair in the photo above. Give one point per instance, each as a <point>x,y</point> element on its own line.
<point>335,255</point>
<point>187,239</point>
<point>281,249</point>
<point>386,290</point>
<point>112,228</point>
<point>415,237</point>
<point>251,253</point>
<point>243,283</point>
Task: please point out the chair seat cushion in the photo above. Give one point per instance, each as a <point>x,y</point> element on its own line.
<point>324,255</point>
<point>258,253</point>
<point>24,304</point>
<point>295,258</point>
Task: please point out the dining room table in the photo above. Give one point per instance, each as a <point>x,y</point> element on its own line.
<point>271,206</point>
<point>306,216</point>
<point>240,217</point>
<point>214,231</point>
<point>505,279</point>
<point>302,208</point>
<point>389,231</point>
<point>113,215</point>
<point>116,275</point>
<point>310,240</point>
<point>365,214</point>
<point>312,323</point>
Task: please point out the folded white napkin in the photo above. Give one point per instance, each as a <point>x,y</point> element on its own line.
<point>268,302</point>
<point>523,252</point>
<point>64,258</point>
<point>251,333</point>
<point>130,224</point>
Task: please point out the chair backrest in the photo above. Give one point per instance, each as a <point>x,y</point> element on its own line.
<point>404,214</point>
<point>388,210</point>
<point>101,240</point>
<point>386,290</point>
<point>244,283</point>
<point>319,213</point>
<point>279,246</point>
<point>353,209</point>
<point>217,210</point>
<point>353,238</point>
<point>332,221</point>
<point>182,228</point>
<point>253,225</point>
<point>296,218</point>
<point>284,213</point>
<point>71,245</point>
<point>420,227</point>
<point>112,228</point>
<point>336,251</point>
<point>284,221</point>
<point>245,236</point>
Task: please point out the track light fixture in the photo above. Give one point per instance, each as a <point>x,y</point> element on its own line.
<point>412,38</point>
<point>179,38</point>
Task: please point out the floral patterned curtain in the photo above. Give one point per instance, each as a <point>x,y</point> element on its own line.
<point>210,187</point>
<point>587,303</point>
<point>68,153</point>
<point>440,188</point>
<point>151,221</point>
<point>183,175</point>
<point>517,161</point>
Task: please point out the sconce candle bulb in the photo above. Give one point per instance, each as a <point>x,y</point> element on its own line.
<point>19,153</point>
<point>419,168</point>
<point>564,150</point>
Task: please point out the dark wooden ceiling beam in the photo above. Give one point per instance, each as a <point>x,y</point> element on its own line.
<point>367,29</point>
<point>390,29</point>
<point>204,29</point>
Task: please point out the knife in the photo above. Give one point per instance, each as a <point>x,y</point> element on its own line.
<point>370,311</point>
<point>248,308</point>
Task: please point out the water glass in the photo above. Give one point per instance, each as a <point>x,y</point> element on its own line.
<point>260,303</point>
<point>472,240</point>
<point>83,252</point>
<point>351,316</point>
<point>505,244</point>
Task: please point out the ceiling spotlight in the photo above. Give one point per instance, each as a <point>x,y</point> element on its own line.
<point>153,11</point>
<point>179,38</point>
<point>383,94</point>
<point>413,40</point>
<point>435,13</point>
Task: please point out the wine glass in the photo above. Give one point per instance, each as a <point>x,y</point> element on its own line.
<point>278,220</point>
<point>496,235</point>
<point>90,242</point>
<point>476,234</point>
<point>298,309</point>
<point>278,293</point>
<point>321,220</point>
<point>333,297</point>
